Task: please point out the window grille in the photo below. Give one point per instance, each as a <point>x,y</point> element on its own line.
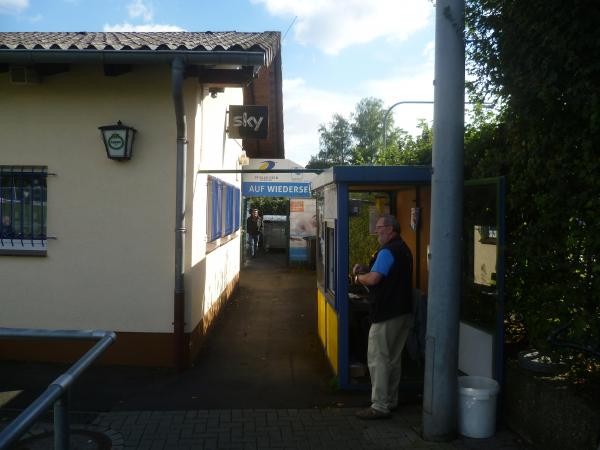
<point>23,208</point>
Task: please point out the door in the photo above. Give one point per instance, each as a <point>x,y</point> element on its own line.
<point>481,331</point>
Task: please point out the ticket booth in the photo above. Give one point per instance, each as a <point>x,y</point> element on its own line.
<point>349,200</point>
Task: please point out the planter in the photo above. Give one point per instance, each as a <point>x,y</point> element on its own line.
<point>548,413</point>
<point>537,362</point>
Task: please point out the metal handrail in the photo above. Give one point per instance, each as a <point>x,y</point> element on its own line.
<point>57,390</point>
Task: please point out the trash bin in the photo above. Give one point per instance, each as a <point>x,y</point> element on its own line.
<point>477,406</point>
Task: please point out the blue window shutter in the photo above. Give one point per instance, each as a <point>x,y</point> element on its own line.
<point>236,209</point>
<point>228,210</point>
<point>219,212</point>
<point>215,210</point>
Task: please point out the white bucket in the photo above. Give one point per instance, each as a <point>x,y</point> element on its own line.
<point>477,406</point>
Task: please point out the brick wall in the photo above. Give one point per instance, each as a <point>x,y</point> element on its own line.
<point>266,89</point>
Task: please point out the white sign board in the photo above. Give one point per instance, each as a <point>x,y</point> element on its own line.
<point>271,183</point>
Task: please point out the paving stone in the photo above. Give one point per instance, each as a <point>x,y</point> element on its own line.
<point>267,429</point>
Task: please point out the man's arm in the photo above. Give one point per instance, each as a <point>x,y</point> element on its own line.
<point>380,269</point>
<point>359,268</point>
<point>368,279</point>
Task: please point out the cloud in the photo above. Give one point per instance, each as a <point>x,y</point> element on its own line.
<point>415,85</point>
<point>306,107</point>
<point>138,8</point>
<point>333,25</point>
<point>13,6</point>
<point>122,27</point>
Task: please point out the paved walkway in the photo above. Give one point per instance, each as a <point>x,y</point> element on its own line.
<point>261,382</point>
<point>327,429</point>
<point>256,429</point>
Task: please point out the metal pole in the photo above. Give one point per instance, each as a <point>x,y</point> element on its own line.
<point>61,422</point>
<point>440,394</point>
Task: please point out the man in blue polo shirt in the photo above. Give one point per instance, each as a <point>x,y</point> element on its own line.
<point>389,279</point>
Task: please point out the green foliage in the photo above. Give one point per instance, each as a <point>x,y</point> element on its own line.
<point>541,58</point>
<point>363,244</point>
<point>360,140</point>
<point>335,141</point>
<point>367,129</point>
<point>406,150</point>
<point>270,205</point>
<point>317,163</point>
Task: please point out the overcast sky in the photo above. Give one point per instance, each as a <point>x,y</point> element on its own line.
<point>334,52</point>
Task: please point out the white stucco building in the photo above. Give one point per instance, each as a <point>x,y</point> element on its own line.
<point>146,247</point>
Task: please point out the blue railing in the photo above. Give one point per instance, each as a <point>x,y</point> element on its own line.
<point>57,391</point>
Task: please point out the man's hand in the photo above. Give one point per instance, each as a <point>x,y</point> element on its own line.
<point>359,268</point>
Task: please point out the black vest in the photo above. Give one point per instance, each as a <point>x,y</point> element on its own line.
<point>392,296</point>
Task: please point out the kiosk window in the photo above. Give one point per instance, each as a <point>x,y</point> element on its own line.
<point>365,208</point>
<point>330,259</point>
<point>320,242</point>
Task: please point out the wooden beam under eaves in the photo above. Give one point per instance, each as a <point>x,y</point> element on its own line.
<point>222,77</point>
<point>114,70</point>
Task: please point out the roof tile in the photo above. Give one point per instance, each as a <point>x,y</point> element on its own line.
<point>162,41</point>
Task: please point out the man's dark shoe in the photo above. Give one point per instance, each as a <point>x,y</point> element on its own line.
<point>372,414</point>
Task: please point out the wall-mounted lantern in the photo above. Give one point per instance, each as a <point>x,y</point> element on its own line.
<point>243,159</point>
<point>118,140</point>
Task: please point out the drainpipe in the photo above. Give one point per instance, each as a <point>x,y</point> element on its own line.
<point>177,75</point>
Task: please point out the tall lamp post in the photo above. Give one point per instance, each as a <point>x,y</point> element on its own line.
<point>440,391</point>
<point>416,102</point>
<point>387,113</point>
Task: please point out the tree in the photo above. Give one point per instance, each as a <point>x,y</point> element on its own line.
<point>540,57</point>
<point>316,163</point>
<point>335,141</point>
<point>367,130</point>
<point>409,150</point>
<point>270,205</point>
<point>360,140</point>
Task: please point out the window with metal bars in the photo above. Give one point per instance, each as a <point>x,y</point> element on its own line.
<point>23,209</point>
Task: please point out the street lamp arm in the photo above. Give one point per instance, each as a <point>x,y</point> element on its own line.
<point>387,113</point>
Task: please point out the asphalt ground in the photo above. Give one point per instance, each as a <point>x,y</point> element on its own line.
<point>261,381</point>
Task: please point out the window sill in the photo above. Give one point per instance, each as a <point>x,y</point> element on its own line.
<point>17,247</point>
<point>213,245</point>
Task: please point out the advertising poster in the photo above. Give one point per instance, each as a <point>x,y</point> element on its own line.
<point>303,228</point>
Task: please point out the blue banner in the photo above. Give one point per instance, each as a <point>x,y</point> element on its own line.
<point>274,189</point>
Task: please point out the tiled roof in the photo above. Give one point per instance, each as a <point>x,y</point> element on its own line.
<point>267,42</point>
